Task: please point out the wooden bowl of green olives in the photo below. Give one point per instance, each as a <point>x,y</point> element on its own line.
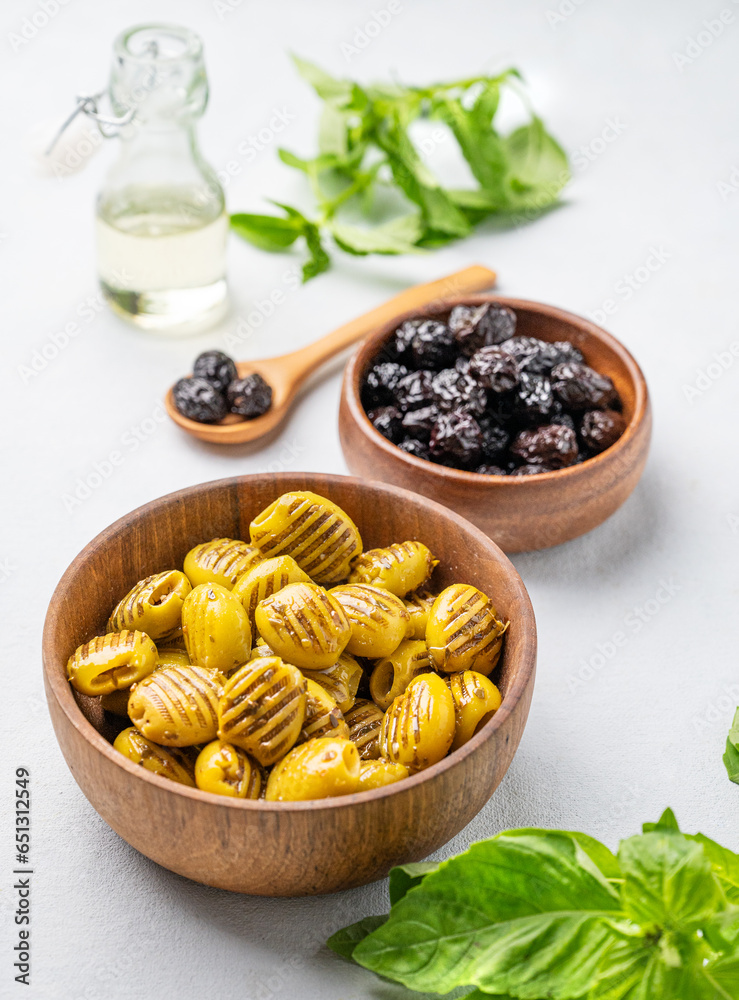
<point>530,421</point>
<point>152,784</point>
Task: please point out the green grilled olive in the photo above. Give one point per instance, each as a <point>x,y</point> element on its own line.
<point>170,764</point>
<point>260,651</point>
<point>399,568</point>
<point>341,680</point>
<point>262,708</point>
<point>172,656</point>
<point>153,606</point>
<point>323,717</point>
<point>265,579</point>
<point>378,773</point>
<point>392,675</point>
<point>177,706</point>
<point>365,722</point>
<point>304,625</point>
<point>476,700</point>
<point>216,628</point>
<point>378,619</point>
<point>418,728</point>
<point>111,662</point>
<point>464,631</point>
<point>418,605</point>
<point>318,769</point>
<point>224,769</point>
<point>222,561</point>
<point>318,534</point>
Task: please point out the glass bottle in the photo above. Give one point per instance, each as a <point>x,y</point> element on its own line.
<point>161,216</point>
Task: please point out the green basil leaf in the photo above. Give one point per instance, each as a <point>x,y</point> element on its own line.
<point>326,86</point>
<point>318,261</point>
<point>537,165</point>
<point>481,145</point>
<point>666,821</point>
<point>516,914</point>
<point>332,131</point>
<point>314,166</point>
<point>723,974</point>
<point>725,865</point>
<point>668,881</point>
<point>606,863</point>
<point>396,236</point>
<point>344,942</point>
<point>417,182</point>
<point>731,756</point>
<point>268,232</point>
<point>403,878</point>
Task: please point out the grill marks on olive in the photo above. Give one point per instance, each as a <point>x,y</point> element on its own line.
<point>464,631</point>
<point>214,390</point>
<point>291,701</point>
<point>304,625</point>
<point>177,706</point>
<point>222,560</point>
<point>111,662</point>
<point>399,568</point>
<point>365,722</point>
<point>317,534</point>
<point>153,605</point>
<point>262,709</point>
<point>459,392</point>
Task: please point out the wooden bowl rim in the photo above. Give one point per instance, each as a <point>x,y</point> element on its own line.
<point>62,691</point>
<point>351,392</point>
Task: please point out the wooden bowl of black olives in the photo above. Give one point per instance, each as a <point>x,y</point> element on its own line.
<point>287,684</point>
<point>530,421</point>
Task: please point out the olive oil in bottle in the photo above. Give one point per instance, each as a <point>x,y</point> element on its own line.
<point>161,218</point>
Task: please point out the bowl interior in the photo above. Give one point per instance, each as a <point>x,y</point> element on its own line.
<point>157,537</point>
<point>601,351</point>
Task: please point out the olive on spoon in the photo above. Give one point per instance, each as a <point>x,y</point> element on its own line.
<point>287,372</point>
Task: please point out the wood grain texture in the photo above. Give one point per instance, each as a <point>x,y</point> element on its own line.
<point>288,372</point>
<point>281,849</point>
<point>519,513</point>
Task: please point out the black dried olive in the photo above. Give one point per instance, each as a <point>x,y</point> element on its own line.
<point>457,436</point>
<point>530,470</point>
<point>578,387</point>
<point>494,369</point>
<point>250,397</point>
<point>552,445</point>
<point>495,438</point>
<point>480,326</point>
<point>388,421</point>
<point>534,397</point>
<point>471,394</point>
<point>215,367</point>
<point>418,423</point>
<point>561,418</point>
<point>433,345</point>
<point>601,428</point>
<point>400,345</point>
<point>198,399</point>
<point>412,446</point>
<point>454,390</point>
<point>380,383</point>
<point>490,470</point>
<point>414,390</point>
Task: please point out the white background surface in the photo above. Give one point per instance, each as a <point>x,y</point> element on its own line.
<point>605,749</point>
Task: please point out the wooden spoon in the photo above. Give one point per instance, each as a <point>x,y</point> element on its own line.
<point>287,373</point>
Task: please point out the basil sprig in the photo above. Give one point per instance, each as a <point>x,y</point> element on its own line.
<point>553,915</point>
<point>367,159</point>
